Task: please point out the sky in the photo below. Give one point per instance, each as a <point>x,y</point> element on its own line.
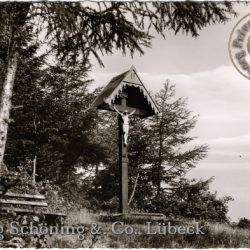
<point>201,70</point>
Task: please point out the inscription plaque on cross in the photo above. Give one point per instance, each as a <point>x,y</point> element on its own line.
<point>126,95</point>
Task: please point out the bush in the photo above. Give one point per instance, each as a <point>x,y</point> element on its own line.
<point>244,223</point>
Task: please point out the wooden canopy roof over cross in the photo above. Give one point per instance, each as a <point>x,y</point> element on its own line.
<point>127,85</point>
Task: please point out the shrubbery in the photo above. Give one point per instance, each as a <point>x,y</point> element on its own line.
<point>244,223</point>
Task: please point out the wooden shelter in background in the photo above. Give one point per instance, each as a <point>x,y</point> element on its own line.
<point>127,93</point>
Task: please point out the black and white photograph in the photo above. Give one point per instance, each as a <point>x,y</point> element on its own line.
<point>124,124</point>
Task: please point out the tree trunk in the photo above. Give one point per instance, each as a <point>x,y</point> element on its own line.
<point>159,161</point>
<point>133,192</point>
<point>5,106</point>
<point>34,172</point>
<point>96,173</point>
<point>18,15</point>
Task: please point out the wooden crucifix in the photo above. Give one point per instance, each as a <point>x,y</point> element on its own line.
<point>126,95</point>
<point>123,132</point>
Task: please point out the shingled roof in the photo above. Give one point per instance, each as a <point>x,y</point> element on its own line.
<point>130,82</point>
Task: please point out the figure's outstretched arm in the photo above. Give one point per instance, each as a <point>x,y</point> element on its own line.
<point>117,110</point>
<point>132,112</point>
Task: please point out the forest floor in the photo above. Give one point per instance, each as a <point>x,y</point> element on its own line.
<point>111,234</point>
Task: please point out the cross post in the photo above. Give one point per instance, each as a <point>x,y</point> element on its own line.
<point>123,165</point>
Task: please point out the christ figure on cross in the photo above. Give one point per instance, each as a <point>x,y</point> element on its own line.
<point>125,118</point>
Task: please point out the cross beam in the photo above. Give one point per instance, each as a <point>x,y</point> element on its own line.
<point>139,112</point>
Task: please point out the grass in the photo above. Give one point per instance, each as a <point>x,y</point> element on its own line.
<point>216,235</point>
